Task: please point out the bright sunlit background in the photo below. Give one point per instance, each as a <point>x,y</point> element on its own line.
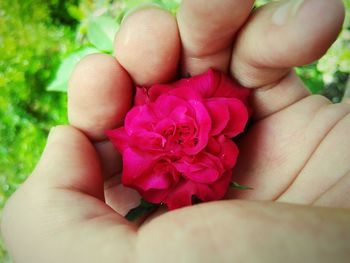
<point>42,40</point>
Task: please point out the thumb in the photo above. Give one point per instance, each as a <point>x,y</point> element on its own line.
<point>70,161</point>
<point>49,218</point>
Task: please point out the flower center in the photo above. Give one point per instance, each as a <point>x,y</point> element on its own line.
<point>180,135</point>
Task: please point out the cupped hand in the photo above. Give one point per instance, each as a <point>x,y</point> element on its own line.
<point>296,151</point>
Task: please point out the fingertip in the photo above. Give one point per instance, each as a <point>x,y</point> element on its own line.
<point>207,30</point>
<point>59,131</point>
<point>315,38</point>
<point>148,45</point>
<point>309,29</point>
<point>289,33</point>
<point>99,95</point>
<point>70,161</point>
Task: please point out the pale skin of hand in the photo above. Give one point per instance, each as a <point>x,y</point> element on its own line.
<point>295,155</point>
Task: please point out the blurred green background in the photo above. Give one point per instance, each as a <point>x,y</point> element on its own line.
<point>42,40</point>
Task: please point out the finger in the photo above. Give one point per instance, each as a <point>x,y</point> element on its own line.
<point>110,159</point>
<point>276,148</point>
<point>289,34</point>
<point>258,232</point>
<point>338,195</point>
<point>317,172</point>
<point>148,46</point>
<point>207,29</point>
<point>70,161</point>
<point>270,99</point>
<point>99,95</point>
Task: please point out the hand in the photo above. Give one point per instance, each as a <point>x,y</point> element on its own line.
<point>297,150</point>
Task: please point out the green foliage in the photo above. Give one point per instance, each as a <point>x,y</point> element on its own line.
<point>60,82</point>
<point>141,210</point>
<point>234,185</point>
<point>338,56</point>
<point>30,52</point>
<point>101,31</point>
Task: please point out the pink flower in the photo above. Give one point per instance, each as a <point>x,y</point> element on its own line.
<point>176,141</point>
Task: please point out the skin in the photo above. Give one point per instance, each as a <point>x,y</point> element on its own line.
<point>295,155</point>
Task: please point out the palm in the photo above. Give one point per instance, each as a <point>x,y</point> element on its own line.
<point>285,154</point>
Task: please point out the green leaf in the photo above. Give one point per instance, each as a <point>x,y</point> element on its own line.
<point>75,12</point>
<point>235,185</point>
<point>132,4</point>
<point>66,68</point>
<point>196,200</point>
<point>172,5</point>
<point>141,210</point>
<point>101,31</point>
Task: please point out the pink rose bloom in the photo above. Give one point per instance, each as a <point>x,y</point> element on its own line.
<point>176,141</point>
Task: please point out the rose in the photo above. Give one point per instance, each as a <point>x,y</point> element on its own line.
<point>176,140</point>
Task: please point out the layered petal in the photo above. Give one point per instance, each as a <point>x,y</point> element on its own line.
<point>219,188</point>
<point>162,175</point>
<point>228,88</point>
<point>119,138</point>
<point>139,118</point>
<point>219,114</point>
<point>155,196</point>
<point>204,126</point>
<point>229,153</point>
<point>238,119</point>
<point>135,164</point>
<point>176,141</point>
<point>203,168</point>
<point>147,141</point>
<point>181,195</point>
<point>141,96</point>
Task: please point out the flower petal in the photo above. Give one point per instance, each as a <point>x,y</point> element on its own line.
<point>219,114</point>
<point>155,196</point>
<point>203,84</point>
<point>228,88</point>
<point>204,126</point>
<point>140,117</point>
<point>181,195</point>
<point>119,138</point>
<point>194,88</point>
<point>239,116</point>
<point>229,152</point>
<point>221,186</point>
<point>154,180</point>
<point>162,175</point>
<point>141,96</point>
<point>203,168</point>
<point>135,164</point>
<point>166,104</point>
<point>155,91</point>
<point>149,141</point>
<point>215,191</point>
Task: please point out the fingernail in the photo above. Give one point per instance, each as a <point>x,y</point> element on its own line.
<point>285,11</point>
